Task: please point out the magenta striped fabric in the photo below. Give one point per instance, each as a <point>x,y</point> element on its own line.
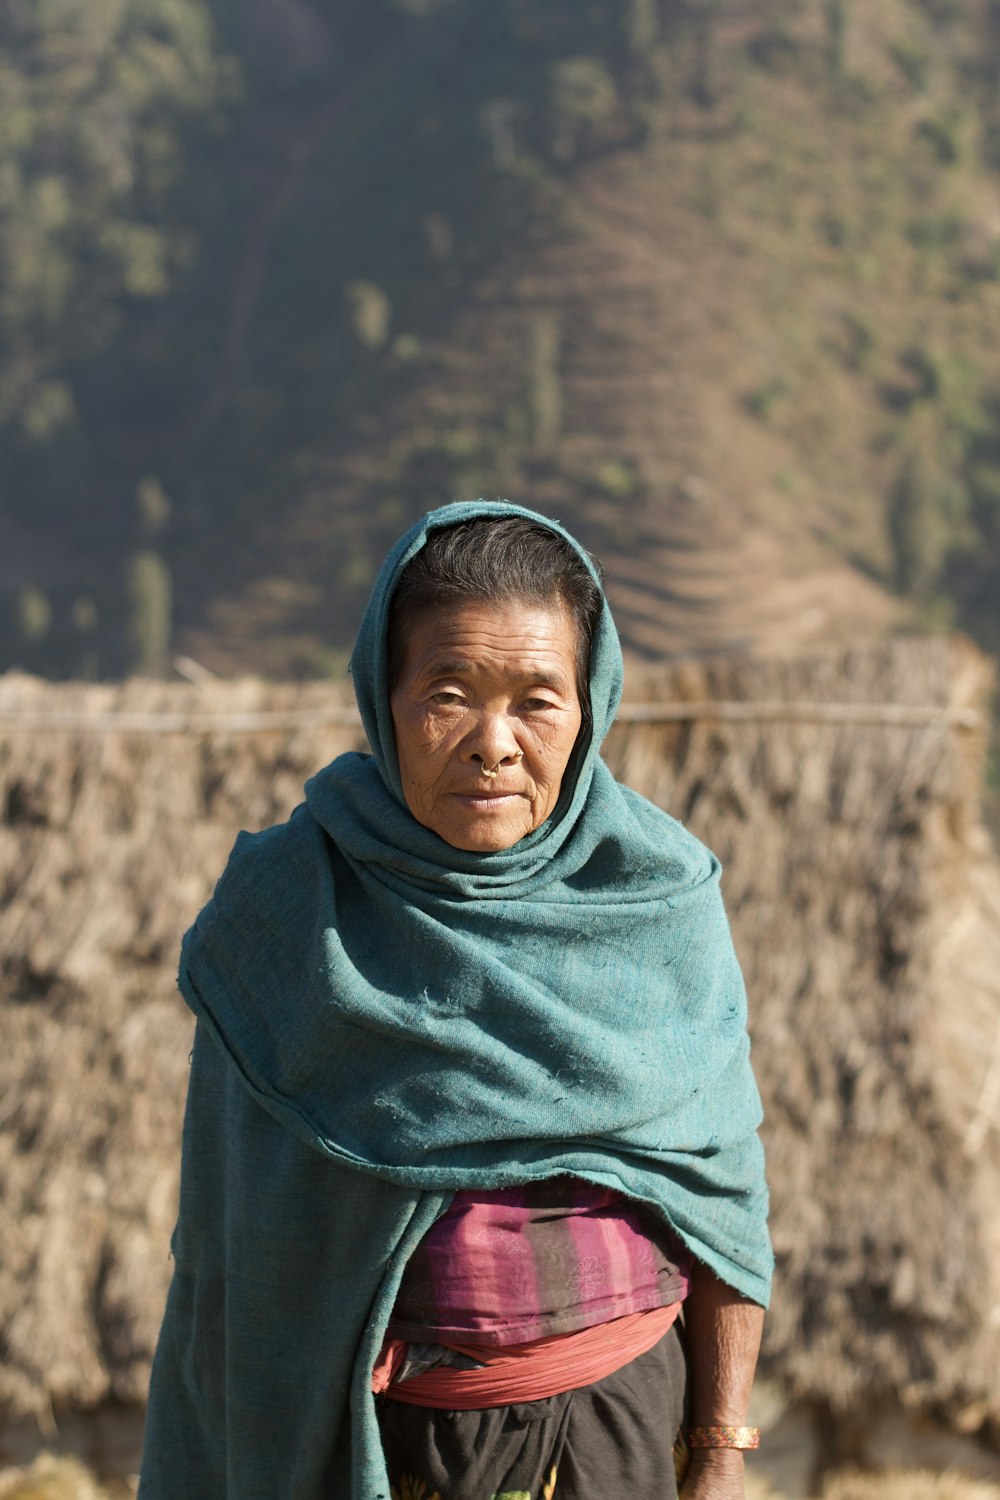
<point>528,1262</point>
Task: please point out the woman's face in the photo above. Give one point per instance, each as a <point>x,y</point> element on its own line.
<point>486,688</point>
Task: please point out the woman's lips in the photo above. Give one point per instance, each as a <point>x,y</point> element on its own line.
<point>481,799</point>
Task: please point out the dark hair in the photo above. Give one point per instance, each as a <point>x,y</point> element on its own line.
<point>492,561</point>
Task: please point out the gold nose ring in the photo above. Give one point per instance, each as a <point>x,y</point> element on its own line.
<point>492,771</point>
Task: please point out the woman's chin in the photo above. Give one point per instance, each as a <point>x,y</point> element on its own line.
<point>482,835</point>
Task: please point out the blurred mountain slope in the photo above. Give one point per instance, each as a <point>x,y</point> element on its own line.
<point>717,284</point>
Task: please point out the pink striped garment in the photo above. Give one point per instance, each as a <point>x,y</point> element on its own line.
<point>536,1260</point>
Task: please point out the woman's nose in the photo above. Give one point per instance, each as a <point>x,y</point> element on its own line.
<point>494,745</point>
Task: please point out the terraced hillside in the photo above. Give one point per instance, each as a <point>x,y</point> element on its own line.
<point>717,284</point>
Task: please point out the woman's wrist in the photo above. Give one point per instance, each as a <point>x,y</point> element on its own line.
<point>716,1460</point>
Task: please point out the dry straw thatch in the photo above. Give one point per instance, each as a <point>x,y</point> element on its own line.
<point>864,900</point>
<point>907,1484</point>
<point>866,907</point>
<point>895,1484</point>
<point>50,1478</point>
<point>111,843</point>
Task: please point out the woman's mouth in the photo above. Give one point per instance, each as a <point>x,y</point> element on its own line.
<point>478,801</point>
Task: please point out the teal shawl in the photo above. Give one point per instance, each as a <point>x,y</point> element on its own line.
<point>384,1019</point>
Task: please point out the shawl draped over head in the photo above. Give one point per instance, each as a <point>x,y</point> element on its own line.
<point>384,1019</point>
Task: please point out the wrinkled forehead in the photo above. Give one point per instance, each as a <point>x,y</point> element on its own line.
<point>512,641</point>
<point>510,567</point>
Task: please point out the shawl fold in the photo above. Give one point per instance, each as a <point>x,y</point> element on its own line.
<point>383,1020</point>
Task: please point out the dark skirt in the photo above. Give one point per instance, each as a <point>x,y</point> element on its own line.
<point>613,1438</point>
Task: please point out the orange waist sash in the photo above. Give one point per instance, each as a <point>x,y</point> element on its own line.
<point>525,1372</point>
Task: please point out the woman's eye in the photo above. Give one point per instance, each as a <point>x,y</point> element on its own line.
<point>534,705</point>
<point>446,699</point>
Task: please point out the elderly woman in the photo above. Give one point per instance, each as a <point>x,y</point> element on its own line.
<point>471,1117</point>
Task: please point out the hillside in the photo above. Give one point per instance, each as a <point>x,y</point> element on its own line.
<point>716,285</point>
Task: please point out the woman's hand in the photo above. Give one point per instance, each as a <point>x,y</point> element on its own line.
<point>714,1474</point>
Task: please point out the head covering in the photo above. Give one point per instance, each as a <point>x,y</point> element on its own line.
<point>368,789</point>
<point>427,1019</point>
<point>370,658</point>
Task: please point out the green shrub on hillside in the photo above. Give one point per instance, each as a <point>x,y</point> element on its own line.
<point>251,282</point>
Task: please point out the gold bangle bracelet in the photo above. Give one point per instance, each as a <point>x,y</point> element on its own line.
<point>724,1437</point>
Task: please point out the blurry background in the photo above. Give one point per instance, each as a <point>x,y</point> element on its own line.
<point>715,282</point>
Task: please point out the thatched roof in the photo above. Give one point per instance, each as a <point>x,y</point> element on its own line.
<point>111,843</point>
<point>865,903</point>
